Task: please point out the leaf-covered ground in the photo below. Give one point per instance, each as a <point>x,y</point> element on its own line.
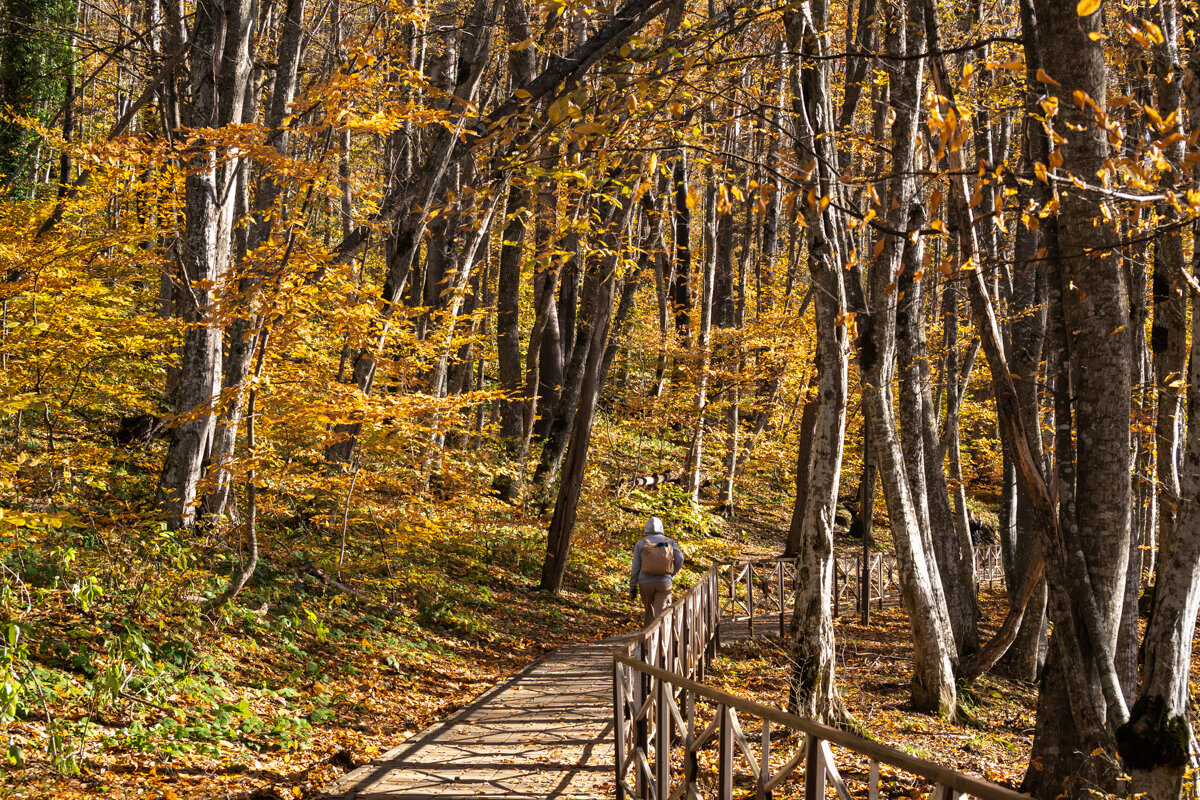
<point>126,686</point>
<point>874,668</point>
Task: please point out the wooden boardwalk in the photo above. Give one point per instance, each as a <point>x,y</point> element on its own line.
<point>545,733</point>
<point>548,731</point>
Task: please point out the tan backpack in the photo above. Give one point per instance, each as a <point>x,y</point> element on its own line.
<point>658,559</point>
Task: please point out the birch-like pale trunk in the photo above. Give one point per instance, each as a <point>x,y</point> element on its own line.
<point>813,686</point>
<point>934,652</point>
<point>246,328</point>
<point>703,347</point>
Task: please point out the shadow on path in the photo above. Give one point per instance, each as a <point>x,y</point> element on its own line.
<point>544,733</point>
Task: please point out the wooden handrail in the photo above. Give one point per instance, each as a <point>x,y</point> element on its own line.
<point>658,678</point>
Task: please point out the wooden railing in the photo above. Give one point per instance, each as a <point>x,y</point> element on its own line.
<point>667,722</point>
<point>757,588</point>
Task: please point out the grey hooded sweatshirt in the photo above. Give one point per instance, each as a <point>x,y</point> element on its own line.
<point>652,535</point>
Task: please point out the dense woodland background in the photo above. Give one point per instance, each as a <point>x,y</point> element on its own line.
<point>344,344</point>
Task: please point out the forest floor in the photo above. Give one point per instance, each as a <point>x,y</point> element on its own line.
<point>136,691</point>
<point>874,669</point>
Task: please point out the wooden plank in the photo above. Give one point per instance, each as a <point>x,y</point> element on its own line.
<point>779,583</point>
<point>647,789</point>
<point>662,740</point>
<point>831,772</point>
<point>750,599</point>
<point>764,767</point>
<point>741,740</point>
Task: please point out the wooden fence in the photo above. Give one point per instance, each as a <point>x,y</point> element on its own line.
<point>669,726</point>
<point>756,588</point>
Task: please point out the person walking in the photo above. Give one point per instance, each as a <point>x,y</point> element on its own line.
<point>656,560</point>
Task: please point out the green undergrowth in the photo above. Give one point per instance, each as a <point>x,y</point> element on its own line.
<point>113,664</point>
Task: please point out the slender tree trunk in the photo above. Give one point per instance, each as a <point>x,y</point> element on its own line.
<point>813,686</point>
<point>703,353</point>
<point>244,331</point>
<point>804,456</point>
<point>1025,355</point>
<point>934,658</point>
<point>562,523</point>
<point>508,333</point>
<point>680,285</point>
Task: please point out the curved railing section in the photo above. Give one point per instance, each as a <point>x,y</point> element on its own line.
<point>669,726</point>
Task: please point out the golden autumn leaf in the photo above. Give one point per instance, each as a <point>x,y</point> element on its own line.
<point>1045,78</point>
<point>1086,8</point>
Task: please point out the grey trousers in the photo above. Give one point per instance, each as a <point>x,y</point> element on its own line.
<point>655,598</point>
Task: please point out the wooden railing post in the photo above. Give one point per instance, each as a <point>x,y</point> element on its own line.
<point>640,733</point>
<point>750,598</point>
<point>837,599</point>
<point>715,621</point>
<point>814,769</point>
<point>619,727</point>
<point>725,756</point>
<point>662,743</point>
<point>764,763</point>
<point>779,583</point>
<point>691,763</point>
<point>879,561</point>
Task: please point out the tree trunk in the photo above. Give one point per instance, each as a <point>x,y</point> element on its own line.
<point>562,523</point>
<point>703,353</point>
<point>813,686</point>
<point>934,657</point>
<point>804,456</point>
<point>1027,334</point>
<point>680,285</point>
<point>955,558</point>
<point>1155,745</point>
<point>244,331</point>
<point>508,334</point>
<point>220,67</point>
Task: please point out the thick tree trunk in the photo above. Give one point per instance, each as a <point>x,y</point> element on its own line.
<point>220,67</point>
<point>955,559</point>
<point>1155,745</point>
<point>813,688</point>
